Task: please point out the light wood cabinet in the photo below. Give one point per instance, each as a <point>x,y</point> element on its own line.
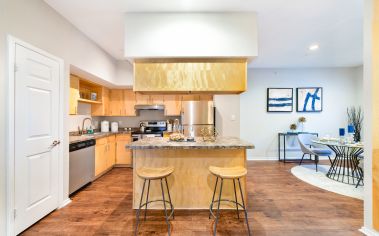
<point>74,95</point>
<point>123,154</point>
<point>105,154</point>
<point>198,97</point>
<point>191,97</point>
<point>111,153</point>
<point>116,102</point>
<point>101,156</point>
<point>142,99</point>
<point>173,105</point>
<point>206,97</point>
<point>103,108</point>
<point>129,103</point>
<point>156,99</point>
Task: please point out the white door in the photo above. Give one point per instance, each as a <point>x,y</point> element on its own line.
<point>36,129</point>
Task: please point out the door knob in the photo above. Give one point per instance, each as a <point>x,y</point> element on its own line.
<point>55,143</point>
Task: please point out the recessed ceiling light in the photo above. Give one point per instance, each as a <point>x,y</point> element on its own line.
<point>314,47</point>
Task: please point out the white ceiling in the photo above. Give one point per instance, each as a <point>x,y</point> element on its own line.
<point>286,28</point>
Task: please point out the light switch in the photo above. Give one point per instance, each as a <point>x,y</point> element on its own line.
<point>233,117</point>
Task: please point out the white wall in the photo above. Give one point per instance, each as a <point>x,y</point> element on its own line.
<point>35,22</point>
<point>163,35</point>
<point>340,90</point>
<point>2,120</point>
<point>124,74</point>
<point>227,115</point>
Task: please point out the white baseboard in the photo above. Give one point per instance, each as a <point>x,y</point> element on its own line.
<point>260,158</point>
<point>253,158</point>
<point>65,203</point>
<point>368,231</point>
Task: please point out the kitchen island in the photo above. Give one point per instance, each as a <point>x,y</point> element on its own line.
<point>191,185</point>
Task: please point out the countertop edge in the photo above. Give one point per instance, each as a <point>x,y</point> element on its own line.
<point>96,136</point>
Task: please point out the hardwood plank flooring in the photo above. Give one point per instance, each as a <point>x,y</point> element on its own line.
<point>279,204</point>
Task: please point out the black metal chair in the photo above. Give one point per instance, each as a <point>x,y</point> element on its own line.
<point>360,168</point>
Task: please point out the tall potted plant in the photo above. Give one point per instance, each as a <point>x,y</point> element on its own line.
<point>355,118</point>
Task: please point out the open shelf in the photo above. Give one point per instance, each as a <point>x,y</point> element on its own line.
<point>88,101</point>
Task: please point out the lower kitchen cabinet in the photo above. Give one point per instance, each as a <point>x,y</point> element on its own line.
<point>105,153</point>
<point>111,155</point>
<point>123,154</point>
<point>110,151</point>
<point>100,155</point>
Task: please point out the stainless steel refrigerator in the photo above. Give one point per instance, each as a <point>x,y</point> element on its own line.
<point>197,115</point>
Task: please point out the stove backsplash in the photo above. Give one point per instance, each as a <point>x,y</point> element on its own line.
<point>133,121</point>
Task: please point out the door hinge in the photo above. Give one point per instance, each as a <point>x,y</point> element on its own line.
<point>14,213</point>
<point>16,68</point>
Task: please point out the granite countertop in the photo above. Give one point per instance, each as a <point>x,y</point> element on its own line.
<point>165,143</point>
<point>96,135</point>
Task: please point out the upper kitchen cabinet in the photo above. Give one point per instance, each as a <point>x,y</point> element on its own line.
<point>129,102</point>
<point>173,105</point>
<point>145,99</point>
<point>103,108</point>
<point>122,102</point>
<point>142,99</point>
<point>197,97</point>
<point>82,90</point>
<point>156,99</point>
<point>116,102</point>
<point>217,76</point>
<point>74,94</point>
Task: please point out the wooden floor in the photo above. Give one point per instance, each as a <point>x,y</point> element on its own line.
<point>279,204</point>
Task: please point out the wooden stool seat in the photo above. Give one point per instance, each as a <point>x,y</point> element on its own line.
<point>154,173</point>
<point>228,172</point>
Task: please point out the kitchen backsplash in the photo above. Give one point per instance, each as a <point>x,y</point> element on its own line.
<point>133,121</point>
<point>124,121</point>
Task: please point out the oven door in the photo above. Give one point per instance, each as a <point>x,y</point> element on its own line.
<point>151,135</point>
<point>136,137</point>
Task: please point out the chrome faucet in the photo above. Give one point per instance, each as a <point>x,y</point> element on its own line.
<point>84,120</point>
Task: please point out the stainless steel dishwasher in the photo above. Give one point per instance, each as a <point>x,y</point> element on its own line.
<point>82,164</point>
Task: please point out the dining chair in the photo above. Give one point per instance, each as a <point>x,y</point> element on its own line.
<point>307,147</point>
<point>360,168</point>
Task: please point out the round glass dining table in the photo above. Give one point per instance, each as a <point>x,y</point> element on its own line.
<point>344,167</point>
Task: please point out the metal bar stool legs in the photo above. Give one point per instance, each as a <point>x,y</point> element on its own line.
<point>217,216</point>
<point>148,174</point>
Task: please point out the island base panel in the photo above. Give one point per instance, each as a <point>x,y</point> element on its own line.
<point>191,185</point>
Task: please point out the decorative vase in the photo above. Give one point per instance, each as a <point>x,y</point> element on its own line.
<point>301,126</point>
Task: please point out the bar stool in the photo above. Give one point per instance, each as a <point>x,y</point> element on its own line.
<point>148,174</point>
<point>233,173</point>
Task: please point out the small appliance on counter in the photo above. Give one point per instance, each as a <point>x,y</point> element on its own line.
<point>114,127</point>
<point>104,126</point>
<point>169,126</point>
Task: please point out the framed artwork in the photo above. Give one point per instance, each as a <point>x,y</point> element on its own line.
<point>309,99</point>
<point>279,99</point>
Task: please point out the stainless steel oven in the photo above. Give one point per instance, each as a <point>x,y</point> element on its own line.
<point>152,129</point>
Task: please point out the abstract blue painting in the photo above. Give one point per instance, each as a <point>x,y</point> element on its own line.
<point>279,99</point>
<point>309,99</point>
